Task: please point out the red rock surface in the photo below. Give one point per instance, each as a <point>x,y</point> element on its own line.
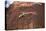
<point>29,20</point>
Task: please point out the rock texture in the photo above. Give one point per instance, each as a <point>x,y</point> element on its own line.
<point>34,19</point>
